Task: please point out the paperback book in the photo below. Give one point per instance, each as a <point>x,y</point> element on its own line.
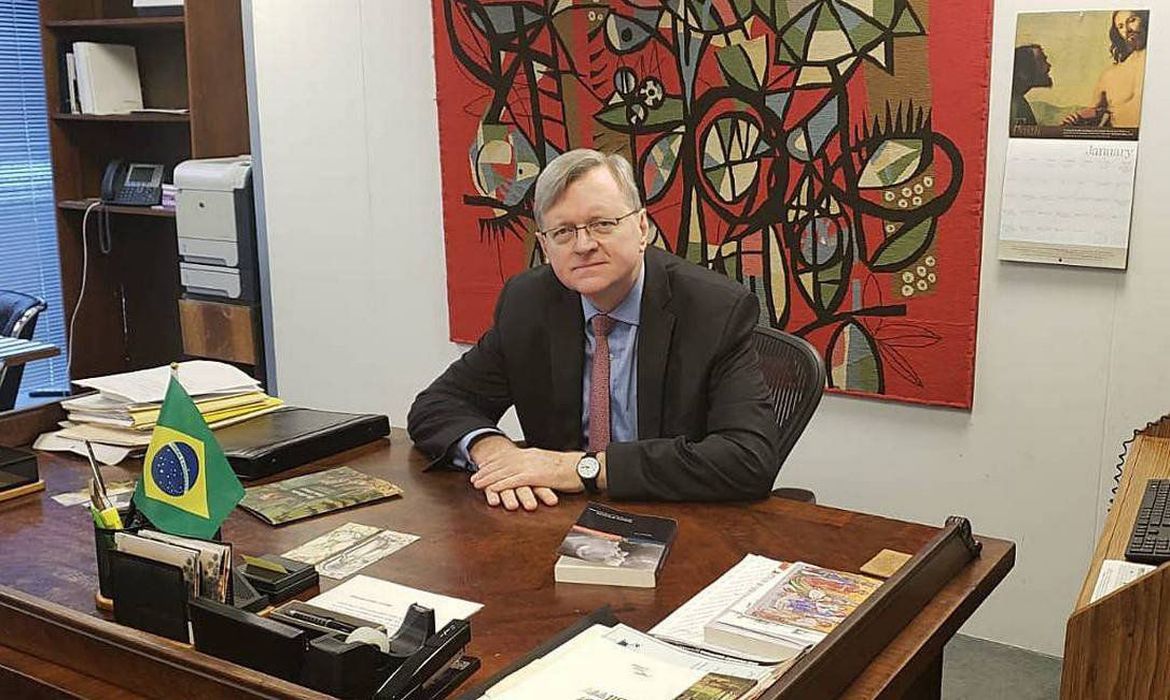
<point>610,547</point>
<point>790,611</point>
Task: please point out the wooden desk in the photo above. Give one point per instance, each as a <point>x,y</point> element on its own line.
<point>505,561</point>
<point>17,351</point>
<point>1115,647</point>
<point>1148,458</point>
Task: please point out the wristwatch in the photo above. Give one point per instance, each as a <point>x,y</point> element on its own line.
<point>589,468</point>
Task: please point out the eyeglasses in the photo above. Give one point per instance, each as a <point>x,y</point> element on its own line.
<point>598,228</point>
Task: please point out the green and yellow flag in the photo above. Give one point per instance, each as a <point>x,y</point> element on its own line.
<point>187,486</point>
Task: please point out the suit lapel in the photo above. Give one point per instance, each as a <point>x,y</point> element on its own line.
<point>655,329</point>
<point>566,339</point>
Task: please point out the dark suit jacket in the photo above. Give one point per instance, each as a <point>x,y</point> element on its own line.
<point>706,429</point>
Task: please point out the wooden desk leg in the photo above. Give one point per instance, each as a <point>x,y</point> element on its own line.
<point>928,685</point>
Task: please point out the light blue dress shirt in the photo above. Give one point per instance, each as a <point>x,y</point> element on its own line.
<point>623,374</point>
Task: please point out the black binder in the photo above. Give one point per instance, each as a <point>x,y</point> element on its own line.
<point>292,436</point>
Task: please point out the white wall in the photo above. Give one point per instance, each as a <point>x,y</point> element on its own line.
<point>345,108</point>
<point>1068,360</point>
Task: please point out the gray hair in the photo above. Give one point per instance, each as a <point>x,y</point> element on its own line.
<point>571,166</point>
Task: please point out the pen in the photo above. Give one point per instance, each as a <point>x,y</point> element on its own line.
<point>320,620</point>
<point>111,519</point>
<point>97,476</point>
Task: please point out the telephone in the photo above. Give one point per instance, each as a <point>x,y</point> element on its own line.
<point>132,184</point>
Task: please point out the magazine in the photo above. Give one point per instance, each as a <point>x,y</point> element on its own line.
<point>314,494</point>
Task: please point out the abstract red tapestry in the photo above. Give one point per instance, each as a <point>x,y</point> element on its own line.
<point>826,154</point>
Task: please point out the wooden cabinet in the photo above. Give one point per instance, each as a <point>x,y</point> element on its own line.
<point>130,315</point>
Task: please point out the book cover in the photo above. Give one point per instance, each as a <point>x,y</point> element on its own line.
<point>610,547</point>
<point>792,610</point>
<point>813,598</point>
<point>313,494</point>
<point>67,80</point>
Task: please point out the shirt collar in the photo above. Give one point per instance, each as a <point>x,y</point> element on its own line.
<point>629,311</point>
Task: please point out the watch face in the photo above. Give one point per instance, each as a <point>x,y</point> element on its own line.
<point>588,468</point>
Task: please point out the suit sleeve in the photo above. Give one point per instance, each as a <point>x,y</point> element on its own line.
<point>472,394</point>
<point>738,457</point>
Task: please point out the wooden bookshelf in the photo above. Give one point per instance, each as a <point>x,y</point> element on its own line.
<point>129,23</point>
<point>130,316</point>
<point>142,117</point>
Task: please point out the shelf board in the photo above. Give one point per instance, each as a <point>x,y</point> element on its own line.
<point>139,23</point>
<point>142,117</point>
<point>83,204</point>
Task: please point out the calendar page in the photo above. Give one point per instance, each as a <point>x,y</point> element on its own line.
<point>1068,202</point>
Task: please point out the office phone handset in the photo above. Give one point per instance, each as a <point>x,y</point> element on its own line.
<point>132,184</point>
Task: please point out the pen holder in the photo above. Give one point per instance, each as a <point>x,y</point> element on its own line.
<point>104,544</point>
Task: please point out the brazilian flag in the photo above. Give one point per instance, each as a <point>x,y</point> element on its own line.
<point>187,486</point>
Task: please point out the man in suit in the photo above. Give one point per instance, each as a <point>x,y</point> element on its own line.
<point>631,370</point>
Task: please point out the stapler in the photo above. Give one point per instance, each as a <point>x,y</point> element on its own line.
<point>417,627</point>
<point>435,669</point>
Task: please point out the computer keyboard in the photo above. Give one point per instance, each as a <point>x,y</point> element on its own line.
<point>1149,543</point>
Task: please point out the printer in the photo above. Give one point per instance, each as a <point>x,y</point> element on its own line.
<point>216,226</point>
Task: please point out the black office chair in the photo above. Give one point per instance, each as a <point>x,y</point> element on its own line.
<point>18,319</point>
<point>795,374</point>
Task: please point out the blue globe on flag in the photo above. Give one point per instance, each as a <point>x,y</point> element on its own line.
<point>175,468</point>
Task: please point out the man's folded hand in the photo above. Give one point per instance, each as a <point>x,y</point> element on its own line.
<point>522,497</point>
<point>516,477</point>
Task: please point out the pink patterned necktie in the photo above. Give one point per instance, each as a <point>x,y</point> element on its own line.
<point>599,385</point>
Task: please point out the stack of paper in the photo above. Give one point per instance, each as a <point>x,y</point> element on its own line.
<point>119,417</point>
<point>685,626</point>
<point>633,665</point>
<point>98,409</point>
<point>387,603</point>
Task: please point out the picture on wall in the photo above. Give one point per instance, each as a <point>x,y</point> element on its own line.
<point>1079,74</point>
<point>826,154</point>
<point>1074,126</point>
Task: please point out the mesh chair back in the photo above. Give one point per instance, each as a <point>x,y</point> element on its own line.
<point>18,319</point>
<point>795,375</point>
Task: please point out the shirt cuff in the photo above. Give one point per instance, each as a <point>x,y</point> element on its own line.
<point>462,457</point>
